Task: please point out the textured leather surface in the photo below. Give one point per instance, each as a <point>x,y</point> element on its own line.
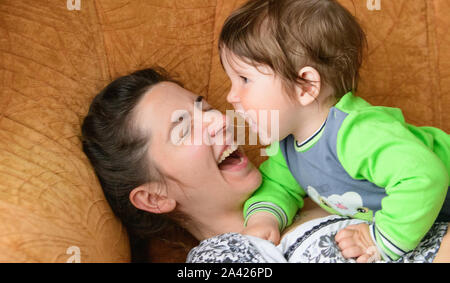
<point>53,61</point>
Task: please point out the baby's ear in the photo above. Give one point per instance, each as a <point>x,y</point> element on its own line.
<point>308,93</point>
<point>149,197</point>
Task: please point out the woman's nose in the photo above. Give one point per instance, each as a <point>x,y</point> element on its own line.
<point>217,128</point>
<point>216,123</point>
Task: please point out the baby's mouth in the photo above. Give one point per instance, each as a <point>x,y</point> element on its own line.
<point>246,117</point>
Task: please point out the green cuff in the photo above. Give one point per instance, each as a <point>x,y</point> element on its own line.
<point>268,207</point>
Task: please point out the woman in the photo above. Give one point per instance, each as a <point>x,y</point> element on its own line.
<point>162,155</point>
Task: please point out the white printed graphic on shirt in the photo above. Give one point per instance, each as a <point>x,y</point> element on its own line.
<point>349,204</point>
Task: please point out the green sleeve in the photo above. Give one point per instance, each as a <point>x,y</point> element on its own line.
<point>376,145</point>
<point>279,192</point>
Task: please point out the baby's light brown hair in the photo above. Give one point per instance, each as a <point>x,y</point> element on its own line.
<point>287,35</point>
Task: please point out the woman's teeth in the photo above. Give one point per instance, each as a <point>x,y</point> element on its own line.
<point>227,153</point>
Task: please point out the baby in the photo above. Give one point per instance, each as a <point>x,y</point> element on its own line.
<point>302,58</point>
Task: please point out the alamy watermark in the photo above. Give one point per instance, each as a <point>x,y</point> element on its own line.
<point>374,5</point>
<point>75,254</point>
<point>73,5</point>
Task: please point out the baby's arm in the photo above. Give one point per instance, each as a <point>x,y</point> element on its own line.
<point>375,147</point>
<point>263,225</point>
<point>276,201</point>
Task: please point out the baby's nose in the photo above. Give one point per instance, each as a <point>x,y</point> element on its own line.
<point>232,97</point>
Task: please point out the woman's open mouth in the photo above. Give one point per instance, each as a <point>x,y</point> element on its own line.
<point>232,159</point>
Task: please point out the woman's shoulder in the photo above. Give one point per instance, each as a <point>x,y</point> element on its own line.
<point>234,248</point>
<point>224,248</point>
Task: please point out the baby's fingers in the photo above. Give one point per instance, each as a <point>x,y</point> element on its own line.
<point>346,243</point>
<point>364,258</point>
<point>274,237</point>
<point>352,252</point>
<point>343,234</point>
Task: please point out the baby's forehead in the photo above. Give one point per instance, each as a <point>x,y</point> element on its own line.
<point>234,61</point>
<point>241,64</point>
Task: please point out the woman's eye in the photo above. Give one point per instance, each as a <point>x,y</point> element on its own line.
<point>186,127</point>
<point>185,132</point>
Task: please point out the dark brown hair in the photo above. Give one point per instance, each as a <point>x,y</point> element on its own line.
<point>117,149</point>
<point>287,35</point>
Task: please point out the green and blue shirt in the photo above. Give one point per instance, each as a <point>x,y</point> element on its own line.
<point>365,162</point>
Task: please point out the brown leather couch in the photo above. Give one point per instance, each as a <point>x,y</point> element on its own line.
<point>53,60</point>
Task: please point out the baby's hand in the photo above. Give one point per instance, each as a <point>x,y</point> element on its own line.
<point>355,242</point>
<point>263,225</point>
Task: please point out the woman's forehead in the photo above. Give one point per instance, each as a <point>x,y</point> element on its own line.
<point>160,102</point>
<point>166,96</point>
<point>170,92</point>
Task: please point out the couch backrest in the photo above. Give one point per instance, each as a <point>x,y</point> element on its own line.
<point>55,58</point>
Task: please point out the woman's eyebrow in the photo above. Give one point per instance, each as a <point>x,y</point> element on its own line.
<point>201,100</point>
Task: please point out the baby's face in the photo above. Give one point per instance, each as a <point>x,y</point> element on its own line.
<point>257,94</point>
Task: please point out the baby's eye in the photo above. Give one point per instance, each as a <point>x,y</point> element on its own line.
<point>244,79</point>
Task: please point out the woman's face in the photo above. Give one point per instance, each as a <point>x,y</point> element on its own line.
<point>187,142</point>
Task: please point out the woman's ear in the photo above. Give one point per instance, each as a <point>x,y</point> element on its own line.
<point>149,197</point>
<point>308,94</point>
